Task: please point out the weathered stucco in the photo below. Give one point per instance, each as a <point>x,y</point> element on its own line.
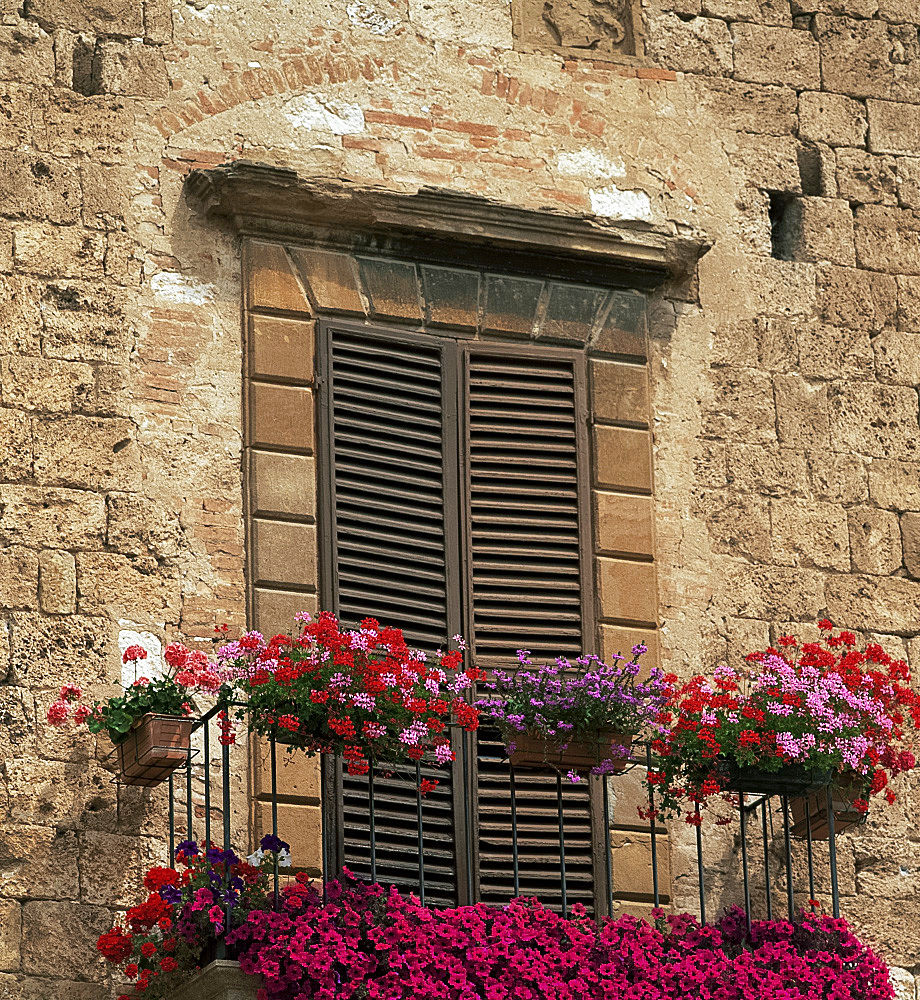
<point>784,391</point>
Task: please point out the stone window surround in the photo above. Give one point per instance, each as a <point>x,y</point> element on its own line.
<point>312,249</point>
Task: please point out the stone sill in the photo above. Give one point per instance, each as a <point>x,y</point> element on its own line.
<point>221,980</point>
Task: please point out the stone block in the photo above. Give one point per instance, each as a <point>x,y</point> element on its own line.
<point>299,825</point>
<point>282,484</point>
<point>58,252</point>
<point>818,230</point>
<point>83,322</point>
<point>89,452</point>
<point>897,357</point>
<point>142,526</point>
<point>877,420</point>
<point>59,939</point>
<point>875,540</point>
<point>105,194</point>
<point>46,384</point>
<point>623,458</point>
<point>766,470</point>
<point>624,524</point>
<point>910,539</point>
<point>908,310</point>
<point>38,863</point>
<point>57,582</point>
<point>270,279</point>
<point>865,178</point>
<point>628,591</point>
<point>273,611</point>
<point>887,239</point>
<point>899,11</point>
<point>451,296</point>
<point>625,330</point>
<point>843,8</point>
<point>879,603</point>
<point>281,416</point>
<point>26,52</point>
<point>813,535</point>
<point>832,119</point>
<point>463,21</point>
<point>297,776</point>
<point>38,187</point>
<point>895,485</point>
<point>740,407</point>
<point>158,23</point>
<point>129,68</point>
<point>695,45</point>
<point>834,353</point>
<point>769,162</point>
<point>35,516</point>
<point>331,280</point>
<point>785,56</point>
<point>743,636</point>
<point>281,348</point>
<point>748,107</point>
<point>107,581</point>
<point>908,177</point>
<point>18,577</point>
<point>10,931</point>
<point>838,478</point>
<point>862,300</point>
<point>102,17</point>
<point>767,592</point>
<point>737,525</point>
<point>32,988</point>
<point>627,795</point>
<point>620,393</point>
<point>867,58</point>
<point>15,445</point>
<point>762,11</point>
<point>284,554</point>
<point>631,864</point>
<point>620,640</point>
<point>112,866</point>
<point>801,411</point>
<point>894,127</point>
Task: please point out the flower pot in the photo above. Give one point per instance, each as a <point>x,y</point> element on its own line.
<point>844,793</point>
<point>792,779</point>
<point>534,752</point>
<point>154,748</point>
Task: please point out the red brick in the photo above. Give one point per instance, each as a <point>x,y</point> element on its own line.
<point>390,118</point>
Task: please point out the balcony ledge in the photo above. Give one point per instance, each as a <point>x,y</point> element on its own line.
<point>221,980</point>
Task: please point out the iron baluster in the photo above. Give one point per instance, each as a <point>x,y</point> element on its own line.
<point>790,897</point>
<point>515,861</point>
<point>832,843</point>
<point>565,894</point>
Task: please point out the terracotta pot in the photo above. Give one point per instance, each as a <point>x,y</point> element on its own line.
<point>154,748</point>
<point>844,793</point>
<point>534,753</point>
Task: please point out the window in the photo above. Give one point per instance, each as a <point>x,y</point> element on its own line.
<point>454,500</point>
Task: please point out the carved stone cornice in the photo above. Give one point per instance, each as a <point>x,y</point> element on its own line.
<point>436,224</point>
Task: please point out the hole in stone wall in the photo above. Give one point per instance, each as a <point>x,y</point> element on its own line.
<point>780,230</point>
<point>810,171</point>
<point>85,80</point>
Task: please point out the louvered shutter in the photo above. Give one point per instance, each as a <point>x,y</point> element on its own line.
<point>526,553</point>
<point>390,553</point>
<point>399,510</point>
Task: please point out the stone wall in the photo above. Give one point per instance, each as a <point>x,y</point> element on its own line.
<point>783,375</point>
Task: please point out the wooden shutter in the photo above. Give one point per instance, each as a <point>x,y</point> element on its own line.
<point>408,479</point>
<point>389,558</point>
<point>527,545</point>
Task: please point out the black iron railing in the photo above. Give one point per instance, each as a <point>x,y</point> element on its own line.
<point>207,792</point>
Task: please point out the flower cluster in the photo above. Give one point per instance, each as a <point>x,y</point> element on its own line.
<point>826,707</point>
<point>364,942</point>
<point>567,701</point>
<point>189,673</point>
<point>168,935</point>
<point>362,693</point>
